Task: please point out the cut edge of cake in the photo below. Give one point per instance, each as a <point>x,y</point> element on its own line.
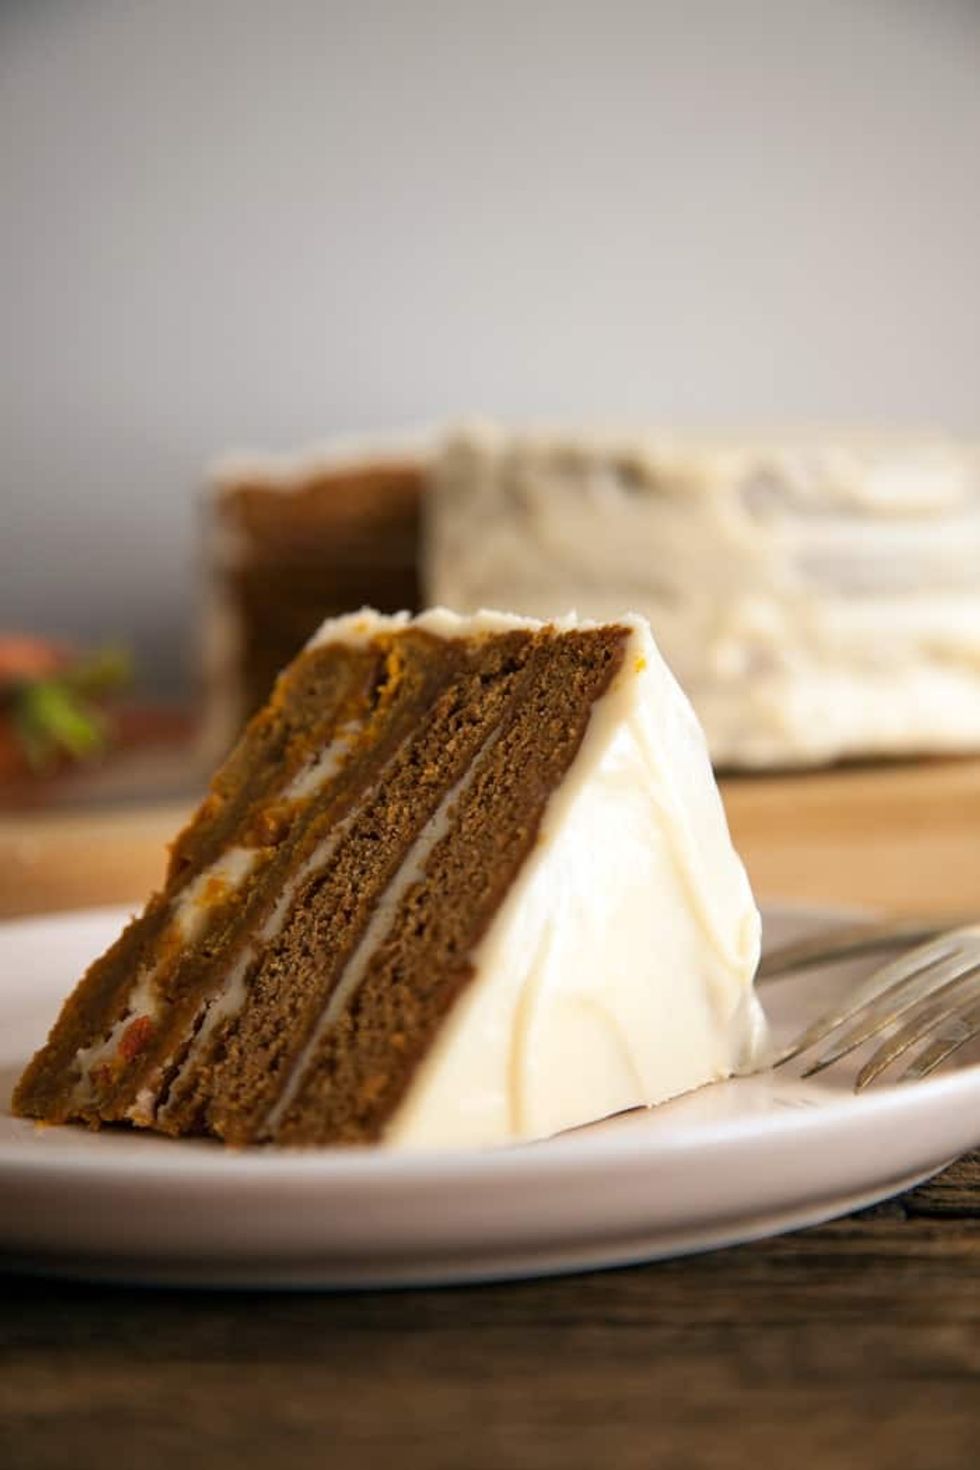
<point>365,494</point>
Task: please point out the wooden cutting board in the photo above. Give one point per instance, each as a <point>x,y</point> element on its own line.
<point>902,837</point>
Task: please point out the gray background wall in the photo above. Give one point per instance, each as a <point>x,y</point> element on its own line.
<point>260,221</point>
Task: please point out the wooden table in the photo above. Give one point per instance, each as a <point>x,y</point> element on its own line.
<point>852,1344</point>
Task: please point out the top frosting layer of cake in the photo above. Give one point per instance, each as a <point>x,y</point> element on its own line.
<point>289,470</point>
<point>817,595</point>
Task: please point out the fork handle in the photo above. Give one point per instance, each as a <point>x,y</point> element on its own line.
<point>851,940</point>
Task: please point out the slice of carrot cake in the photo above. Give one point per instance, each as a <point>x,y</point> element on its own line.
<point>462,881</point>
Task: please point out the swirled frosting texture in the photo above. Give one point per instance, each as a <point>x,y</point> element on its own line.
<point>818,596</point>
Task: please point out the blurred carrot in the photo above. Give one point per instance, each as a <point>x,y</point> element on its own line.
<point>49,702</point>
<point>24,657</point>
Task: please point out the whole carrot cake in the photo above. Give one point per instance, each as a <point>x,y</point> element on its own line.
<point>463,881</point>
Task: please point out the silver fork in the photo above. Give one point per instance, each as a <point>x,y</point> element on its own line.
<point>849,941</point>
<point>926,1003</point>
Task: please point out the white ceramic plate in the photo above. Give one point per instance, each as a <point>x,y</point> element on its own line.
<point>730,1163</point>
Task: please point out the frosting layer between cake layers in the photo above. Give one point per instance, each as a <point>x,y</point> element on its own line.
<point>817,595</point>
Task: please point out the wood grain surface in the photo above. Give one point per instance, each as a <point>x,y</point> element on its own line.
<point>854,1344</point>
<point>900,837</point>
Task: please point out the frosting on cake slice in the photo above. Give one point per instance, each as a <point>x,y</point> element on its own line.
<point>618,970</point>
<point>464,881</point>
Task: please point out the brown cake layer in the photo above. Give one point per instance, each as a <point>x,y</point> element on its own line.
<point>309,702</point>
<point>291,555</point>
<point>243,1072</point>
<point>360,1067</point>
<point>301,1008</point>
<point>395,689</point>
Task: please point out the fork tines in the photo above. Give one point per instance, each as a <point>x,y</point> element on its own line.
<point>931,994</point>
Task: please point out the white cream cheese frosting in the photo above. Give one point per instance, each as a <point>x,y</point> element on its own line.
<point>618,971</point>
<point>817,595</point>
